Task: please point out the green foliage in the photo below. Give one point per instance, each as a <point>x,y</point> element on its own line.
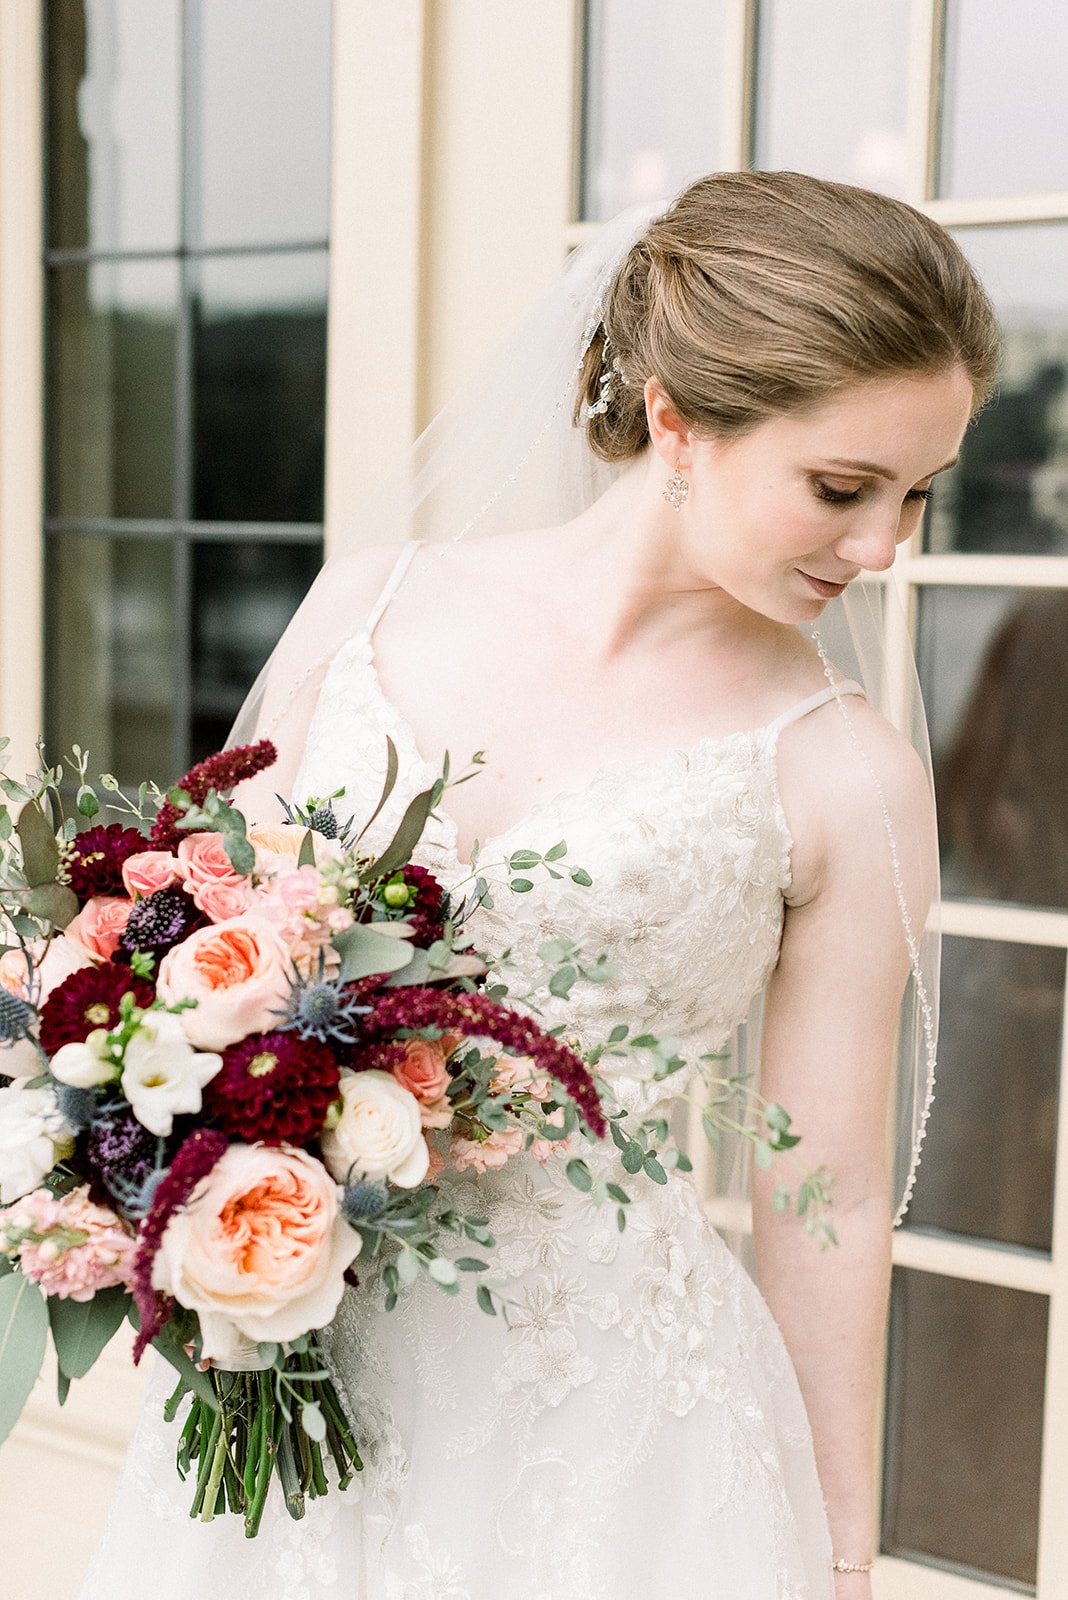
<point>23,1336</point>
<point>81,1329</point>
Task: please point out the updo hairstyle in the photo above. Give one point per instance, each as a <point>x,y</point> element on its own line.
<point>759,293</point>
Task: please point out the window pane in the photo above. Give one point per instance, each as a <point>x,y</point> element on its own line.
<point>264,100</point>
<point>112,643</point>
<point>851,61</point>
<point>988,1155</point>
<point>994,668</point>
<point>113,74</point>
<point>111,378</point>
<point>260,387</point>
<point>1010,492</point>
<point>652,103</point>
<point>1004,114</point>
<point>243,596</point>
<point>964,1423</point>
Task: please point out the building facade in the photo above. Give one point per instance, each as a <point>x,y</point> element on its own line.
<point>248,247</point>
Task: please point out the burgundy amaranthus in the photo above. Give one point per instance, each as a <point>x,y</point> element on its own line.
<point>220,772</point>
<point>194,1160</point>
<point>474,1015</point>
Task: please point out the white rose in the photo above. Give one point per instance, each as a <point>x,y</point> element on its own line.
<point>162,1074</point>
<point>82,1066</point>
<point>379,1133</point>
<point>34,1135</point>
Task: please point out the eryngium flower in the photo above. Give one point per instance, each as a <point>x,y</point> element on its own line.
<point>16,1017</point>
<point>219,772</point>
<point>362,1202</point>
<point>273,1088</point>
<point>87,1000</point>
<point>159,922</point>
<point>94,860</point>
<point>322,1010</point>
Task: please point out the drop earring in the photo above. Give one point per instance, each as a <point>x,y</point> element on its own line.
<point>677,489</point>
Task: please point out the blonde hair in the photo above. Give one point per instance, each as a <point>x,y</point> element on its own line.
<point>758,293</point>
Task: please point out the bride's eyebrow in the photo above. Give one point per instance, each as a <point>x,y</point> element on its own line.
<point>882,472</point>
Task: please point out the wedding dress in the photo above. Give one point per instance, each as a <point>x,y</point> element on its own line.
<point>638,1429</point>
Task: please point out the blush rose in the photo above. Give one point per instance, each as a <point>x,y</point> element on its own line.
<point>98,926</point>
<point>150,870</point>
<point>236,972</point>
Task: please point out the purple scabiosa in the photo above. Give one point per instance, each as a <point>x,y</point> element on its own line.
<point>273,1088</point>
<point>194,1160</point>
<point>87,1000</point>
<point>159,922</point>
<point>119,1152</point>
<point>477,1016</point>
<point>93,860</point>
<point>219,772</point>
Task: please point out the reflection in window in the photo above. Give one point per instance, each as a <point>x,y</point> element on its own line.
<point>964,1423</point>
<point>1010,492</point>
<point>994,667</point>
<point>851,61</point>
<point>652,101</point>
<point>1004,124</point>
<point>988,1155</point>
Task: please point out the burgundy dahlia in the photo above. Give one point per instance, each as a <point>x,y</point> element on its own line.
<point>219,772</point>
<point>477,1016</point>
<point>158,922</point>
<point>424,912</point>
<point>273,1087</point>
<point>94,862</point>
<point>89,999</point>
<point>194,1160</point>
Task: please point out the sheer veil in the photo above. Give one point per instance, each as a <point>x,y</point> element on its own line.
<point>504,454</point>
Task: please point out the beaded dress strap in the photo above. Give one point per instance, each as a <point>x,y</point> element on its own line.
<point>392,584</point>
<point>820,698</point>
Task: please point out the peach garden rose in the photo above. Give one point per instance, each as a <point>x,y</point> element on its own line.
<point>236,971</point>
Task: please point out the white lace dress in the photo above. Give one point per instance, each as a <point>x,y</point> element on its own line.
<point>638,1430</point>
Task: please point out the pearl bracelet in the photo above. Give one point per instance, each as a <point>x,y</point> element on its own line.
<point>840,1564</point>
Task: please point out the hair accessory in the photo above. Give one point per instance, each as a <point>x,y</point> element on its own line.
<point>677,489</point>
<point>839,1564</point>
<point>604,396</point>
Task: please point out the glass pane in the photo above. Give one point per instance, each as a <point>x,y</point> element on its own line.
<point>851,61</point>
<point>964,1423</point>
<point>1004,115</point>
<point>994,668</point>
<point>653,98</point>
<point>260,387</point>
<point>111,387</point>
<point>243,596</point>
<point>112,74</point>
<point>264,101</point>
<point>988,1156</point>
<point>112,634</point>
<point>1010,492</point>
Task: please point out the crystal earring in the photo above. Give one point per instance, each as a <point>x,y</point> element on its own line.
<point>677,489</point>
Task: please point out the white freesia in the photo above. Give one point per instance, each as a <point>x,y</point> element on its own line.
<point>34,1135</point>
<point>83,1066</point>
<point>162,1074</point>
<point>379,1133</point>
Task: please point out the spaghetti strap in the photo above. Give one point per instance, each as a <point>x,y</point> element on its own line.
<point>392,583</point>
<point>844,686</point>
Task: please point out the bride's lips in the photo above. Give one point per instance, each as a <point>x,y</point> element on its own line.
<point>825,590</point>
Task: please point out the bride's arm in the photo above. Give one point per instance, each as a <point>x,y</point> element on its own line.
<point>830,1035</point>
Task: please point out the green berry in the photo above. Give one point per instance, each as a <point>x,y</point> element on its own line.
<point>396,894</point>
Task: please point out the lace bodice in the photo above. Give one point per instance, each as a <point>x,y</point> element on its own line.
<point>689,855</point>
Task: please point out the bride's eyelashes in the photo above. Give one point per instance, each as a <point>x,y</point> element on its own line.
<point>842,497</point>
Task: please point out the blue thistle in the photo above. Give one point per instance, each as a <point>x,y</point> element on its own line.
<point>323,820</point>
<point>321,1010</point>
<point>16,1017</point>
<point>362,1202</point>
<point>77,1105</point>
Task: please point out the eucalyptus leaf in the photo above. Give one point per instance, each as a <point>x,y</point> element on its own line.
<point>62,1387</point>
<point>485,1301</point>
<point>53,902</point>
<point>581,877</point>
<point>392,768</point>
<point>23,1337</point>
<point>520,885</point>
<point>306,858</point>
<point>312,1421</point>
<point>242,854</point>
<point>363,951</point>
<point>418,970</point>
<point>40,852</point>
<point>399,850</point>
<point>81,1328</point>
<point>579,1174</point>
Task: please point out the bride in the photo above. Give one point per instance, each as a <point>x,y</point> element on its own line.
<point>727,410</point>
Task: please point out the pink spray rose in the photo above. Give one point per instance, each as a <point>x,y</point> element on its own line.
<point>236,972</point>
<point>98,926</point>
<point>149,870</point>
<point>259,1251</point>
<point>492,1152</point>
<point>423,1071</point>
<point>206,868</point>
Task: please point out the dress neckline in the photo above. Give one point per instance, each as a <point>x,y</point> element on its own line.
<point>765,733</point>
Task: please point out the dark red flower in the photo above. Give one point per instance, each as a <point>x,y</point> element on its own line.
<point>89,999</point>
<point>273,1087</point>
<point>94,864</point>
<point>193,1161</point>
<point>219,772</point>
<point>424,912</point>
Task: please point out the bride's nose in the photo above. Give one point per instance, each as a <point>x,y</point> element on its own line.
<point>871,542</point>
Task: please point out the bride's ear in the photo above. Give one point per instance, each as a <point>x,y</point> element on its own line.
<point>669,435</point>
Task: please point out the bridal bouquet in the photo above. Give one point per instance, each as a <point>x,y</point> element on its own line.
<point>233,1060</point>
